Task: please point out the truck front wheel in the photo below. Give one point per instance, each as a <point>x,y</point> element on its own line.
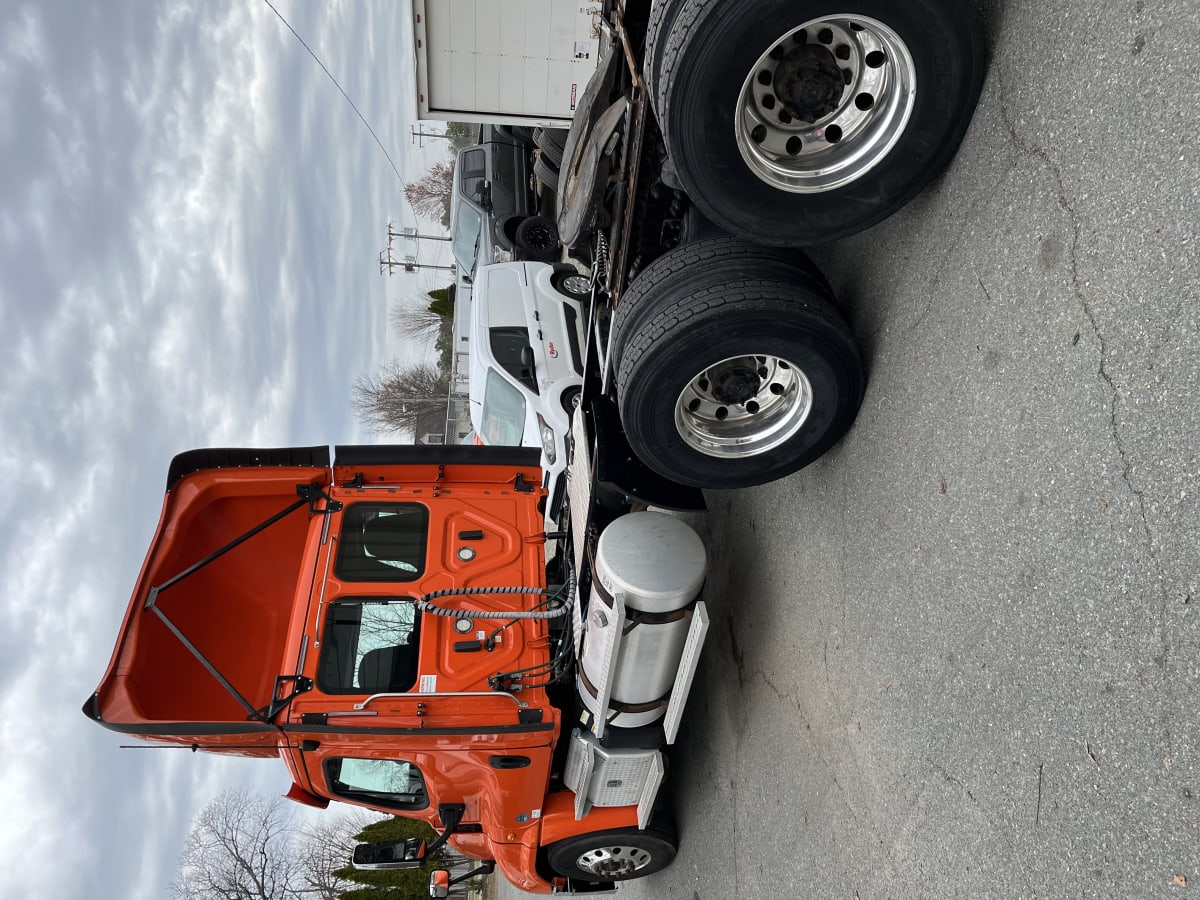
<point>615,855</point>
<point>734,371</point>
<point>810,120</point>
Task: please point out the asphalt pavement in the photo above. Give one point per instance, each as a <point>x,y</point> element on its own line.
<point>958,656</point>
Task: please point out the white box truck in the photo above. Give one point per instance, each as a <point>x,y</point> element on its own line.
<point>522,62</point>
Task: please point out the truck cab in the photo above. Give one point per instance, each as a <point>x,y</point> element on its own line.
<point>384,625</point>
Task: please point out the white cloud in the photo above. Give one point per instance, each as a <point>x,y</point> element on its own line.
<point>24,37</point>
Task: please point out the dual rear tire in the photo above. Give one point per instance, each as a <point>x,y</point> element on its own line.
<point>796,122</point>
<point>733,367</point>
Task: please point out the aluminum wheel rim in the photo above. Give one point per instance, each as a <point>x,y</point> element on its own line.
<point>743,406</point>
<point>800,134</point>
<point>613,862</point>
<point>539,237</point>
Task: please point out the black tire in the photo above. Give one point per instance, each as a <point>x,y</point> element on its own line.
<point>777,187</point>
<point>551,142</point>
<point>737,369</point>
<point>537,238</point>
<point>523,133</point>
<point>544,172</point>
<point>714,248</point>
<point>570,282</point>
<point>617,854</point>
<point>658,31</point>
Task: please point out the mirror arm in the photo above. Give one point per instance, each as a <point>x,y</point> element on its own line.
<point>450,814</point>
<point>486,867</point>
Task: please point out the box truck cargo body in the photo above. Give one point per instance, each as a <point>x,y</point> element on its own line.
<point>522,62</point>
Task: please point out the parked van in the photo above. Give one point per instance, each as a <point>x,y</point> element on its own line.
<point>493,206</point>
<point>526,364</point>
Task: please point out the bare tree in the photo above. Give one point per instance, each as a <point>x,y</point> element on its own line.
<point>238,850</point>
<point>244,846</point>
<point>429,196</point>
<point>328,846</point>
<point>416,322</point>
<point>396,397</point>
<point>460,135</point>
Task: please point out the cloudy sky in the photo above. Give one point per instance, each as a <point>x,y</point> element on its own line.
<point>190,221</point>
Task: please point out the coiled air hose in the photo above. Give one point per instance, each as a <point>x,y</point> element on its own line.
<point>425,605</point>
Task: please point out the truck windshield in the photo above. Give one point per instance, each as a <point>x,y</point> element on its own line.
<point>468,226</point>
<point>502,417</point>
<point>370,647</point>
<point>378,782</point>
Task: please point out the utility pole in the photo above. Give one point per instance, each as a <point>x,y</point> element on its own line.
<point>411,265</point>
<point>408,264</point>
<point>388,263</point>
<point>422,134</point>
<point>412,235</point>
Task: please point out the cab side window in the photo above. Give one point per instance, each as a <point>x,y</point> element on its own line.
<point>369,646</point>
<point>383,542</point>
<point>473,175</point>
<point>511,350</point>
<point>380,782</point>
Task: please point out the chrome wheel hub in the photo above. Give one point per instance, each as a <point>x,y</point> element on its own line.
<point>613,862</point>
<point>825,104</point>
<point>743,406</point>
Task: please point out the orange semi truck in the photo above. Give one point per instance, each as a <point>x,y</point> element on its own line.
<point>386,624</point>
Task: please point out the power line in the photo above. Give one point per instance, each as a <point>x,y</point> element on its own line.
<point>338,86</point>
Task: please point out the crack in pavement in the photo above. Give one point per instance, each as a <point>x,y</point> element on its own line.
<point>1039,154</point>
<point>1064,201</point>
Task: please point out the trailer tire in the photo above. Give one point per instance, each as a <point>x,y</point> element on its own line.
<point>617,854</point>
<point>537,237</point>
<point>523,133</point>
<point>551,142</point>
<point>546,173</point>
<point>814,119</point>
<point>736,371</point>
